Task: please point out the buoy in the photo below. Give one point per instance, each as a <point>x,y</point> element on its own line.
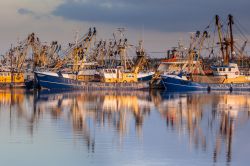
<point>208,88</point>
<point>231,89</point>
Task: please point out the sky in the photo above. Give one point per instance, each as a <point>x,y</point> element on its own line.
<point>160,23</point>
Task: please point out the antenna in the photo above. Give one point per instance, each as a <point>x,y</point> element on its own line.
<point>141,34</point>
<point>121,31</point>
<point>76,37</point>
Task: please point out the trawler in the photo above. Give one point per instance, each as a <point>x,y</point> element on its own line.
<point>116,77</point>
<point>18,64</point>
<point>125,74</point>
<point>225,76</point>
<point>175,62</point>
<point>11,79</point>
<point>219,81</point>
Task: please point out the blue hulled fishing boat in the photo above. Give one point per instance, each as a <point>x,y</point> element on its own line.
<point>225,73</point>
<point>145,76</point>
<point>50,80</point>
<point>179,83</point>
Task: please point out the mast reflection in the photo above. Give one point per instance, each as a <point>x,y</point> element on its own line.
<point>115,110</point>
<point>203,115</point>
<point>208,120</point>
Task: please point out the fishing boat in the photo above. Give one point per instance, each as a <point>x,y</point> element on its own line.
<point>11,75</point>
<point>118,74</point>
<point>11,80</point>
<point>51,80</point>
<point>225,76</point>
<point>80,76</point>
<point>145,76</point>
<point>19,62</point>
<point>182,83</point>
<point>114,78</point>
<point>175,62</point>
<point>125,74</point>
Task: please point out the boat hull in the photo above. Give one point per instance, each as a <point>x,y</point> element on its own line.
<point>172,83</point>
<point>145,76</point>
<point>57,82</point>
<point>12,85</point>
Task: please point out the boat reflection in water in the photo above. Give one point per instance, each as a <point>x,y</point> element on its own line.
<point>106,109</point>
<point>209,119</point>
<point>134,121</point>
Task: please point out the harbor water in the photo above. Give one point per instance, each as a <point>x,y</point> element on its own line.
<point>124,128</point>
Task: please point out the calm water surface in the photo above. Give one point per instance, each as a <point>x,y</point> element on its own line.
<point>124,128</point>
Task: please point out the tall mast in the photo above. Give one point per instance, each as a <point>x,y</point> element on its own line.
<point>75,53</point>
<point>11,64</point>
<point>230,18</point>
<point>217,22</point>
<point>204,36</point>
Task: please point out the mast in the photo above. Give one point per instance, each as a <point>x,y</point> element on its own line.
<point>141,57</point>
<point>204,36</point>
<point>191,51</point>
<point>231,22</point>
<point>202,40</point>
<point>11,65</point>
<point>75,55</point>
<point>226,58</point>
<point>217,22</point>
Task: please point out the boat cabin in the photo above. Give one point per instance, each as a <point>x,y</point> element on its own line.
<point>117,75</point>
<point>230,71</point>
<point>175,67</point>
<point>8,77</point>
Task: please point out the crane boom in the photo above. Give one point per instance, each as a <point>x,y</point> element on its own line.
<point>231,22</point>
<point>218,24</point>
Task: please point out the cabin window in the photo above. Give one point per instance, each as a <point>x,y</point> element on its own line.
<point>229,69</point>
<point>220,69</point>
<point>224,69</point>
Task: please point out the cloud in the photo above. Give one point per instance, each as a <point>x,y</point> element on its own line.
<point>24,11</point>
<point>35,15</point>
<point>163,15</point>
